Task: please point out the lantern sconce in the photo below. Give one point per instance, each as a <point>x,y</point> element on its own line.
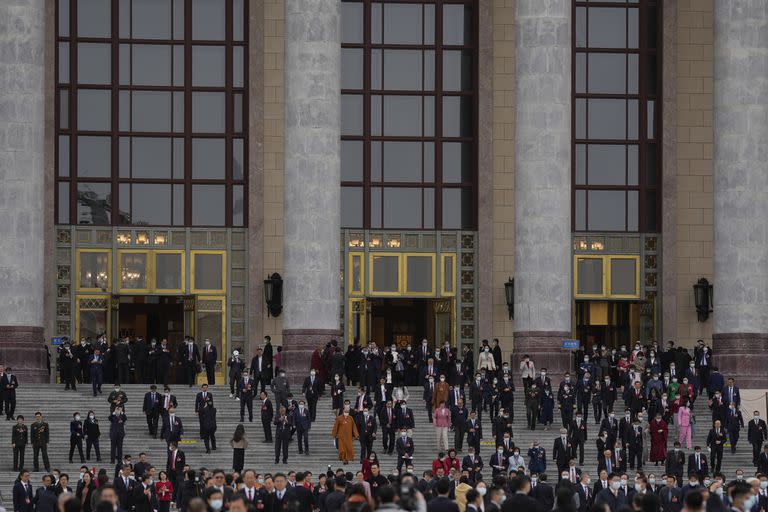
<point>273,294</point>
<point>702,296</point>
<point>509,292</point>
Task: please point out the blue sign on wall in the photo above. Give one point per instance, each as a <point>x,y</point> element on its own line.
<point>571,344</point>
<point>57,340</point>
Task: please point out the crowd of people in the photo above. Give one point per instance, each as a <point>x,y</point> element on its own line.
<point>640,399</point>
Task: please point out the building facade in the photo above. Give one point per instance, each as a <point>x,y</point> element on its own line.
<point>397,163</point>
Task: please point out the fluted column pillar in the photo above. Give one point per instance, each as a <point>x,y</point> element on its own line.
<point>741,191</point>
<point>543,183</point>
<point>312,180</point>
<point>21,188</point>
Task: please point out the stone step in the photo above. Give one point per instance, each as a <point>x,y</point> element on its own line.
<point>58,406</point>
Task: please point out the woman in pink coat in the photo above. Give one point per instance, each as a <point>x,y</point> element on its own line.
<point>684,424</point>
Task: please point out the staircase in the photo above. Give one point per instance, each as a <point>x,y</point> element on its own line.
<point>58,406</point>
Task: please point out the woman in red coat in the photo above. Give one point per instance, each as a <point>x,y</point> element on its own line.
<point>164,491</point>
<point>367,463</point>
<point>316,363</point>
<point>659,434</point>
<point>452,462</point>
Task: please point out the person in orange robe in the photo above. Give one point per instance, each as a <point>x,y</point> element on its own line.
<point>344,429</point>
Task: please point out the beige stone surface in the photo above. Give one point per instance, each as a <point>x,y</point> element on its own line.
<point>274,108</point>
<point>694,162</point>
<point>503,165</point>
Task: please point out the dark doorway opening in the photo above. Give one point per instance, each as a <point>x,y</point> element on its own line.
<point>401,321</point>
<point>153,316</point>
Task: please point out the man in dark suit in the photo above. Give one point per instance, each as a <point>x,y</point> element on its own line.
<point>247,388</point>
<point>19,440</point>
<point>404,417</point>
<point>614,497</point>
<point>732,394</point>
<point>267,413</point>
<point>143,497</point>
<point>675,463</point>
<point>520,486</point>
<point>474,431</point>
<point>757,434</point>
<point>151,409</point>
<point>164,359</point>
<point>606,463</point>
<point>174,467</point>
<point>300,495</point>
<point>459,417</point>
<point>259,369</point>
<point>268,358</point>
<point>210,356</point>
<point>8,384</point>
<point>124,488</point>
<point>387,421</point>
<point>542,492</point>
<point>404,448</point>
<point>473,464</point>
<point>577,431</point>
<point>116,434</point>
<point>22,494</point>
<point>189,357</point>
<point>734,422</point>
<point>585,493</point>
<point>562,452</point>
<point>635,442</point>
<point>697,464</point>
<point>173,428</point>
<point>45,499</point>
<point>282,434</point>
<point>366,428</point>
<point>716,381</point>
<point>442,503</point>
<point>671,497</point>
<point>120,353</point>
<point>762,461</point>
<point>311,390</point>
<point>139,357</point>
<point>302,422</point>
<point>97,371</point>
<point>715,442</point>
<point>361,402</point>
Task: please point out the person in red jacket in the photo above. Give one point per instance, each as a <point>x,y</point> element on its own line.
<point>164,492</point>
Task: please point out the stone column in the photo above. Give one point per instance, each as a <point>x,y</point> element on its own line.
<point>741,192</point>
<point>22,38</point>
<point>312,186</point>
<point>543,183</point>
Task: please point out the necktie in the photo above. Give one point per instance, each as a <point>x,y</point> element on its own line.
<point>698,462</point>
<point>250,494</point>
<point>608,466</point>
<point>573,475</point>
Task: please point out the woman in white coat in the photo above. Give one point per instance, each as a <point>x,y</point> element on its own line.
<point>527,371</point>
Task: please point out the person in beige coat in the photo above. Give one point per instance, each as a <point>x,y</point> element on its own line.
<point>527,371</point>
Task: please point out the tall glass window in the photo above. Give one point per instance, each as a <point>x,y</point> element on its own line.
<point>408,114</point>
<point>616,116</point>
<point>151,112</point>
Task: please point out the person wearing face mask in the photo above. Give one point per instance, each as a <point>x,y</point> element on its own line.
<point>312,389</point>
<point>577,431</point>
<point>613,496</point>
<point>584,388</point>
<point>337,393</point>
<point>562,451</point>
<point>366,427</point>
<point>532,405</point>
<point>344,429</point>
<point>743,497</point>
<point>236,366</point>
<point>734,422</point>
<point>675,462</point>
<point>404,449</point>
<point>117,398</point>
<point>757,434</point>
<point>715,442</point>
<point>76,435</point>
<point>697,464</point>
<point>608,394</point>
<point>473,464</point>
<point>543,381</point>
<point>566,403</point>
<point>116,434</point>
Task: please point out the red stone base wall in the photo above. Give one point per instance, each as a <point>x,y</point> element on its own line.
<point>298,345</point>
<point>545,350</point>
<point>22,349</point>
<point>743,356</point>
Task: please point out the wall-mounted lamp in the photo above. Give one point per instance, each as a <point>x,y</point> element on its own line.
<point>702,296</point>
<point>509,292</point>
<point>273,294</point>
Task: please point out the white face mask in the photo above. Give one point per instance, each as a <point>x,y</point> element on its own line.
<point>481,491</point>
<point>91,416</point>
<point>77,418</point>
